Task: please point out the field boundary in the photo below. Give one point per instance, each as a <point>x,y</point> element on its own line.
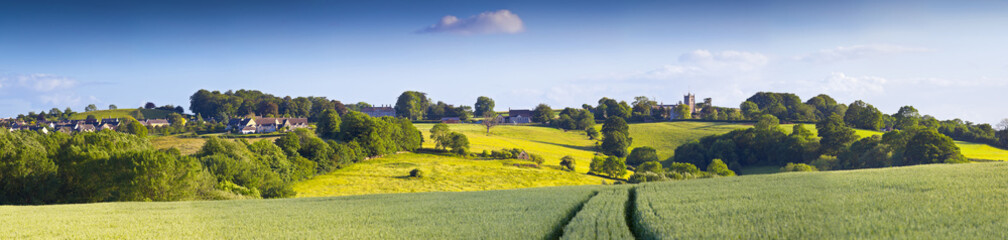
<point>631,211</point>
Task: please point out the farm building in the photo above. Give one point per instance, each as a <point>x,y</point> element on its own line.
<point>451,120</point>
<point>383,111</point>
<point>265,125</point>
<point>519,116</point>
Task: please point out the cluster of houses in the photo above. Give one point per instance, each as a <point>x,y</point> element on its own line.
<point>75,126</point>
<point>265,125</point>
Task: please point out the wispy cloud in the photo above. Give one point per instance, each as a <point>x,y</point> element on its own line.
<point>839,82</point>
<point>28,92</point>
<point>844,53</point>
<point>500,22</point>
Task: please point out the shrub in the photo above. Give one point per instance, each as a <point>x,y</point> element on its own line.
<point>536,159</point>
<point>568,163</point>
<point>718,167</point>
<point>640,177</point>
<point>824,162</point>
<point>652,166</point>
<point>416,173</point>
<point>641,155</point>
<point>678,167</point>
<point>798,167</point>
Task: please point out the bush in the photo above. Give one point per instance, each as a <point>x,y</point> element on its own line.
<point>416,173</point>
<point>678,167</point>
<point>641,155</point>
<point>652,166</point>
<point>568,163</point>
<point>825,162</point>
<point>640,177</point>
<point>798,167</point>
<point>718,167</point>
<point>536,159</point>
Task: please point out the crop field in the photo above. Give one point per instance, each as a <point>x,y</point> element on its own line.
<point>603,217</point>
<point>121,113</point>
<point>513,214</point>
<point>665,137</point>
<point>979,151</point>
<point>187,145</point>
<point>390,174</point>
<point>551,143</point>
<point>940,201</point>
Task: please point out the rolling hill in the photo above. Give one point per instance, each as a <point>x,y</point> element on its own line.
<point>122,113</point>
<point>939,201</point>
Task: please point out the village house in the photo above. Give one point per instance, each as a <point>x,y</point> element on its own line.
<point>383,111</point>
<point>518,116</point>
<point>155,122</point>
<point>265,125</point>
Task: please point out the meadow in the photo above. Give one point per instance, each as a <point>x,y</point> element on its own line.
<point>122,113</point>
<point>190,145</point>
<point>390,174</point>
<point>551,143</point>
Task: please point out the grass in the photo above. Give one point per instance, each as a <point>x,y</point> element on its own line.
<point>188,146</point>
<point>603,217</point>
<point>122,113</point>
<point>939,201</point>
<point>514,214</point>
<point>389,174</point>
<point>961,201</point>
<point>551,143</point>
<point>979,151</point>
<point>665,137</point>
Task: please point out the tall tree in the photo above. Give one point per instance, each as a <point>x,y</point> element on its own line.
<point>836,136</point>
<point>542,113</point>
<point>483,105</point>
<point>615,137</point>
<point>91,108</point>
<point>412,105</point>
<point>328,126</point>
<point>907,117</point>
<point>863,115</point>
<point>490,120</point>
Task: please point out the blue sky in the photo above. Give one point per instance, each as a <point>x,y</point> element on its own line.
<point>946,59</point>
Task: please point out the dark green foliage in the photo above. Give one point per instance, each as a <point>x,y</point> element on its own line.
<point>458,143</point>
<point>416,173</point>
<point>229,104</point>
<point>611,166</point>
<point>592,133</point>
<point>328,126</point>
<point>929,146</point>
<point>27,173</point>
<point>900,148</point>
<point>641,155</point>
<point>864,116</point>
<point>542,114</point>
<point>787,106</point>
<point>615,137</point>
<point>835,134</point>
<point>651,166</point>
<point>765,144</point>
<point>379,136</point>
<point>134,127</point>
<point>609,108</point>
<point>574,119</point>
<point>966,131</point>
<point>568,163</point>
<point>483,106</point>
<point>798,167</point>
<point>412,105</point>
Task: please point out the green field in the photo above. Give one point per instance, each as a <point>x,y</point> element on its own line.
<point>189,145</point>
<point>939,201</point>
<point>551,143</point>
<point>665,137</point>
<point>122,113</point>
<point>513,214</point>
<point>389,174</point>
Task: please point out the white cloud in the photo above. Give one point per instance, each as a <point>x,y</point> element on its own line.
<point>500,21</point>
<point>844,53</point>
<point>840,82</point>
<point>31,92</point>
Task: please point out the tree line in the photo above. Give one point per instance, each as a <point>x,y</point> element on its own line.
<point>38,168</point>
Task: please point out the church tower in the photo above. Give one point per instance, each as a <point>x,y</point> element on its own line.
<point>690,100</point>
